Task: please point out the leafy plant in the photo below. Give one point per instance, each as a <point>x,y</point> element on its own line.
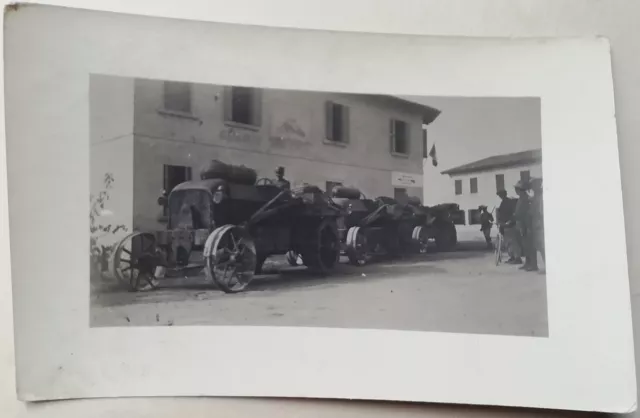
<point>100,253</point>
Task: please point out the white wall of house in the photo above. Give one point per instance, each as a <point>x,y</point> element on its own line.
<point>111,137</point>
<point>486,192</point>
<point>291,134</point>
<point>471,129</point>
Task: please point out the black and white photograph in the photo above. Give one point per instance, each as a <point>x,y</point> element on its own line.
<point>234,205</point>
<point>230,210</point>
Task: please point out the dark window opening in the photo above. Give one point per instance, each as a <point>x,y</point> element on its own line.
<point>399,137</point>
<point>244,106</point>
<point>425,151</point>
<point>458,186</point>
<point>337,122</point>
<point>525,176</point>
<point>177,97</point>
<point>174,175</point>
<point>499,182</point>
<point>474,217</point>
<point>400,194</point>
<point>473,185</point>
<point>329,185</point>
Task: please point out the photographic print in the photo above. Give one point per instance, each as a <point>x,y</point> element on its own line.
<point>209,209</point>
<point>320,208</point>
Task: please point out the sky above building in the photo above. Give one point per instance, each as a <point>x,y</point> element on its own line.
<point>470,129</point>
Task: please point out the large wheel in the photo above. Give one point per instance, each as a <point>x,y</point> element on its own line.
<point>357,246</point>
<point>420,239</point>
<point>446,237</point>
<point>293,258</point>
<point>322,251</point>
<point>135,260</point>
<point>230,258</point>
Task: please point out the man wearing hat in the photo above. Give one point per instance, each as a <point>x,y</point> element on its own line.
<point>280,180</point>
<point>507,227</point>
<point>537,217</point>
<point>523,222</point>
<point>486,221</point>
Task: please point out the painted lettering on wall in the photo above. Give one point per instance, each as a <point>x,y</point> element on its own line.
<point>239,135</point>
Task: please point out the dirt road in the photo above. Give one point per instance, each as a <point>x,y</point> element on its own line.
<point>460,292</point>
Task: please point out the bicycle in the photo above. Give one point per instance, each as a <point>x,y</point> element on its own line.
<point>500,248</point>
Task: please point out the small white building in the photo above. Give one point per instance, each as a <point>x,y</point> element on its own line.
<point>477,183</point>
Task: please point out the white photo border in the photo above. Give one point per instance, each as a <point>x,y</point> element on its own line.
<point>586,363</point>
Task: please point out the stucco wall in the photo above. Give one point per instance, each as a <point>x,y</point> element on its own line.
<point>486,187</point>
<point>365,162</point>
<point>111,136</point>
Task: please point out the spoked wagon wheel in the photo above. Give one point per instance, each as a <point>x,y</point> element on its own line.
<point>293,258</point>
<point>420,239</point>
<point>230,258</point>
<point>322,253</point>
<point>135,260</point>
<point>357,246</point>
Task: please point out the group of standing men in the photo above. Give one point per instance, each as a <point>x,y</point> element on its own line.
<point>521,222</point>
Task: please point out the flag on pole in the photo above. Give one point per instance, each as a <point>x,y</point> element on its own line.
<point>434,157</point>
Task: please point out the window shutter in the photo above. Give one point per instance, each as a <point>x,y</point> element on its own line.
<point>407,138</point>
<point>346,123</point>
<point>227,100</point>
<point>328,118</point>
<point>425,152</point>
<point>256,114</point>
<point>392,135</point>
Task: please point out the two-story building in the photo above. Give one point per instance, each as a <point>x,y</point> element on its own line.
<point>477,182</point>
<point>152,135</point>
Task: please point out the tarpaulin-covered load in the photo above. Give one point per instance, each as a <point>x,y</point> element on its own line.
<point>232,173</point>
<point>342,192</point>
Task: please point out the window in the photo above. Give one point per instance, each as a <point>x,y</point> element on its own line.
<point>337,122</point>
<point>474,216</point>
<point>330,185</point>
<point>399,133</point>
<point>177,97</point>
<point>499,182</point>
<point>458,184</point>
<point>473,185</point>
<point>400,194</point>
<point>174,175</point>
<point>425,151</point>
<point>525,176</point>
<point>243,105</point>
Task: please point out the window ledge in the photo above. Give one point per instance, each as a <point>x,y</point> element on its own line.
<point>399,154</point>
<point>177,114</point>
<point>232,124</point>
<point>335,143</point>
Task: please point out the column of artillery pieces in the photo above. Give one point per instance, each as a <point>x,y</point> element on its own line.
<point>228,223</point>
<point>382,226</point>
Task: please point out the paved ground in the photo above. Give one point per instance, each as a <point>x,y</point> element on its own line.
<point>460,291</point>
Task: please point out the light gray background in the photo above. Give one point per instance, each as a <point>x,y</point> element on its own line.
<point>615,19</point>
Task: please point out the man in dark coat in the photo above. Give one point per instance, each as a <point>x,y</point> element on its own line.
<point>486,222</point>
<point>280,180</point>
<point>537,217</point>
<point>507,227</point>
<point>523,222</point>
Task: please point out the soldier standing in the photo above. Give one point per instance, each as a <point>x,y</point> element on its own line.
<point>280,180</point>
<point>537,217</point>
<point>507,227</point>
<point>486,221</point>
<point>523,222</point>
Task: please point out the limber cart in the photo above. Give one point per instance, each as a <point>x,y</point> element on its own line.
<point>376,227</point>
<point>228,223</point>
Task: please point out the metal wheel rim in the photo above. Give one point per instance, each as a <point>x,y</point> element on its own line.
<point>131,274</point>
<point>231,259</point>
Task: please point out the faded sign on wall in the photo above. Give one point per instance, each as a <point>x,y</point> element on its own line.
<point>399,179</point>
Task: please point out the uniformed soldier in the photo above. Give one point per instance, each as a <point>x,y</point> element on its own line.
<point>486,222</point>
<point>523,222</point>
<point>537,217</point>
<point>507,227</point>
<point>280,180</point>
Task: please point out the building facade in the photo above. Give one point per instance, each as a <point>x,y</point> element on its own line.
<point>152,135</point>
<point>477,183</point>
